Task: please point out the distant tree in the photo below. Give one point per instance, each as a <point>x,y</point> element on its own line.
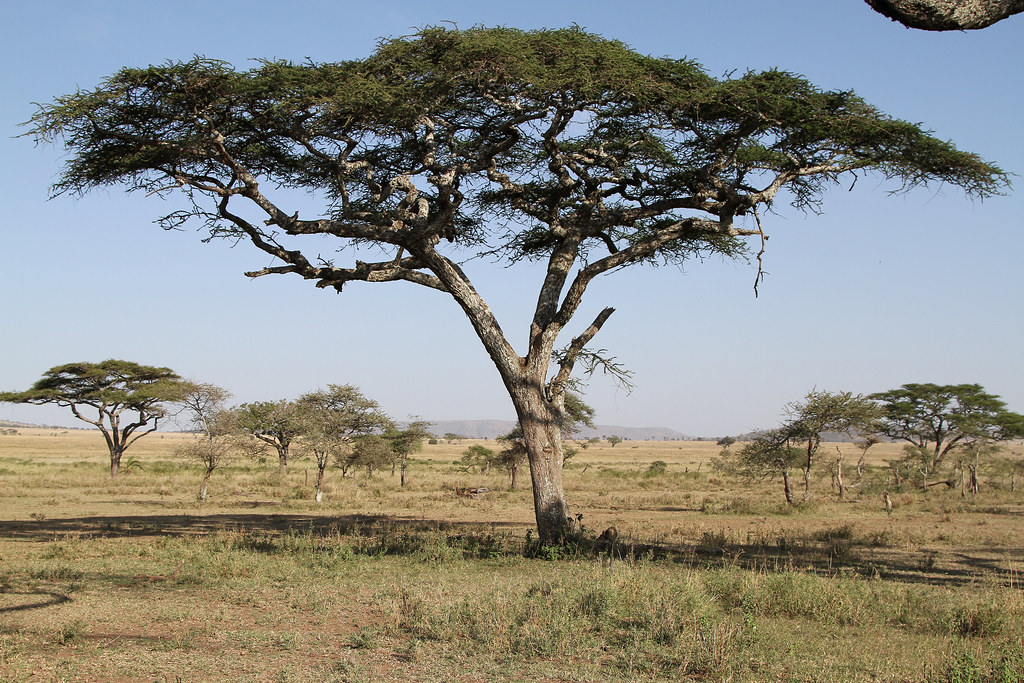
<point>726,441</point>
<point>405,442</point>
<point>770,453</point>
<point>371,452</point>
<point>126,397</point>
<point>452,437</point>
<point>276,423</point>
<point>947,15</point>
<point>933,419</point>
<point>823,411</point>
<point>217,436</point>
<point>555,146</point>
<point>613,440</point>
<point>331,419</point>
<point>479,457</point>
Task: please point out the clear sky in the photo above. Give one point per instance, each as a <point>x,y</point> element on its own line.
<point>878,291</point>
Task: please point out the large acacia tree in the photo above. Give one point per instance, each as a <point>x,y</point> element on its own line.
<point>124,400</point>
<point>933,419</point>
<point>555,146</point>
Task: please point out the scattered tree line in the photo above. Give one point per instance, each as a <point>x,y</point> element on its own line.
<point>125,401</point>
<point>936,423</point>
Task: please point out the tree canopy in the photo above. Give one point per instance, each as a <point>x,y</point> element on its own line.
<point>553,145</point>
<point>936,418</point>
<point>125,396</point>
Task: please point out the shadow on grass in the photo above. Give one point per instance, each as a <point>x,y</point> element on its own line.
<point>48,599</point>
<point>826,557</point>
<point>123,526</point>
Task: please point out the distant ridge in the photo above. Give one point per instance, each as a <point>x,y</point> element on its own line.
<point>491,429</point>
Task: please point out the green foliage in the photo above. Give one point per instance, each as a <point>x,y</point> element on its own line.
<point>108,385</point>
<point>666,132</point>
<point>479,458</point>
<point>934,419</point>
<point>112,388</point>
<point>656,468</point>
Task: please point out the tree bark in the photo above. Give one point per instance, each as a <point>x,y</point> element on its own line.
<point>115,461</point>
<point>947,15</point>
<point>543,437</point>
<point>839,478</point>
<point>787,486</point>
<point>282,462</point>
<point>204,487</point>
<point>320,482</point>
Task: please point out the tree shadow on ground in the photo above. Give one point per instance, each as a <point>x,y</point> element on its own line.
<point>940,567</point>
<point>123,526</point>
<point>47,599</point>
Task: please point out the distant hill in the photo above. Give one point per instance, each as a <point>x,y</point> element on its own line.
<point>491,429</point>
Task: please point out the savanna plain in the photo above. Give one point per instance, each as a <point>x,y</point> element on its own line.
<point>713,577</point>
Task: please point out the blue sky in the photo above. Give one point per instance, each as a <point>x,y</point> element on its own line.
<point>878,291</point>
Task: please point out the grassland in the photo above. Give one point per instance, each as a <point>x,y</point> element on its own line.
<point>714,578</point>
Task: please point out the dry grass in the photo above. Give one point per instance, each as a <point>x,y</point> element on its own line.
<point>715,578</point>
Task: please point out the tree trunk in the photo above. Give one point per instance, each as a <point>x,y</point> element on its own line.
<point>282,462</point>
<point>321,467</point>
<point>204,487</point>
<point>839,478</point>
<point>514,473</point>
<point>807,484</point>
<point>787,486</point>
<point>405,463</point>
<point>115,460</point>
<point>543,439</point>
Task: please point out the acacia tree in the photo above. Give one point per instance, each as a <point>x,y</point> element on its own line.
<point>824,411</point>
<point>769,453</point>
<point>218,439</point>
<point>127,397</point>
<point>276,423</point>
<point>405,442</point>
<point>331,419</point>
<point>555,146</point>
<point>947,15</point>
<point>936,418</point>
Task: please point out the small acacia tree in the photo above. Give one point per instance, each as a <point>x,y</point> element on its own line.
<point>129,399</point>
<point>405,442</point>
<point>276,423</point>
<point>555,146</point>
<point>331,419</point>
<point>769,453</point>
<point>217,436</point>
<point>823,411</point>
